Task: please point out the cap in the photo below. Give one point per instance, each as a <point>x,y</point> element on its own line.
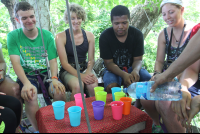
<point>179,2</point>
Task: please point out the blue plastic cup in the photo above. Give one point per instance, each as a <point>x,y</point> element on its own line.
<point>59,109</point>
<point>98,109</point>
<point>115,89</point>
<point>74,115</point>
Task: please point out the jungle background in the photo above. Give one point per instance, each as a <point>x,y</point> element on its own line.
<point>98,19</point>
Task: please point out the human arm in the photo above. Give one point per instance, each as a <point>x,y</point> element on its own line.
<point>60,44</point>
<point>161,45</point>
<point>186,58</point>
<point>28,90</point>
<point>2,65</point>
<point>54,71</point>
<point>187,80</point>
<point>137,65</point>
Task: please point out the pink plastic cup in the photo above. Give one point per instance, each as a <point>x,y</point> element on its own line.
<point>117,109</point>
<point>78,100</point>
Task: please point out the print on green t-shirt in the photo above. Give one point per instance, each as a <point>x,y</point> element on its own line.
<point>31,51</point>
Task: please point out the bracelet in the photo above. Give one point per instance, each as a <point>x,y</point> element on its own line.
<point>1,70</point>
<point>156,72</point>
<point>54,77</point>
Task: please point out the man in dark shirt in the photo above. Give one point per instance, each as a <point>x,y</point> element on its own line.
<point>122,48</point>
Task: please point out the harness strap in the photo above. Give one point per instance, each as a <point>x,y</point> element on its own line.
<point>44,90</point>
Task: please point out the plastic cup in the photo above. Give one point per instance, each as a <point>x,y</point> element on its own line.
<point>127,105</point>
<point>115,89</point>
<point>78,100</point>
<point>97,89</point>
<point>119,95</point>
<point>74,115</point>
<point>117,109</point>
<point>101,96</point>
<point>59,109</point>
<point>98,109</point>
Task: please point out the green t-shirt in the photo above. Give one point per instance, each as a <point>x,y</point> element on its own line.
<point>30,51</point>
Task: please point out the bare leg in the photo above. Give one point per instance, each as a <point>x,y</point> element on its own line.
<point>169,117</point>
<point>73,85</point>
<point>108,88</point>
<point>57,95</point>
<point>31,109</point>
<point>151,110</point>
<point>91,88</point>
<point>11,88</point>
<point>138,104</point>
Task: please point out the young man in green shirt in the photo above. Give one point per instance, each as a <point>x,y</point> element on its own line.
<point>25,48</point>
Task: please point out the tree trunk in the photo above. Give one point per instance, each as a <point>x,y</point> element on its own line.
<point>43,13</point>
<point>9,4</point>
<point>139,19</point>
<point>42,9</point>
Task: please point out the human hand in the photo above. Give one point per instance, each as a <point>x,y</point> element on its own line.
<point>181,107</point>
<point>88,78</point>
<point>90,73</point>
<point>1,107</point>
<point>58,86</point>
<point>28,92</point>
<point>135,75</point>
<point>159,79</point>
<point>2,76</point>
<point>1,93</point>
<point>194,109</point>
<point>128,79</point>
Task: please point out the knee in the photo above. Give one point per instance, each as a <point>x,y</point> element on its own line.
<point>164,108</point>
<point>108,88</point>
<point>76,88</point>
<point>16,90</point>
<point>147,104</point>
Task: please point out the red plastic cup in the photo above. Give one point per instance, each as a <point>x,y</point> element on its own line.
<point>78,100</point>
<point>117,109</point>
<point>127,105</point>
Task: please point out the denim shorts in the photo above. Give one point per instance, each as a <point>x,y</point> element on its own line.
<point>109,77</point>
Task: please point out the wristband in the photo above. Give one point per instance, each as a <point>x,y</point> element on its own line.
<point>1,70</point>
<point>54,77</point>
<point>155,72</point>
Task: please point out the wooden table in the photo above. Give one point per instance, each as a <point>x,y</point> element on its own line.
<point>136,121</point>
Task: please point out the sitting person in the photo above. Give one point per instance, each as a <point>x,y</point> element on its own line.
<point>186,108</point>
<point>7,85</point>
<point>122,48</point>
<point>160,111</point>
<point>10,113</point>
<point>84,42</point>
<point>25,48</point>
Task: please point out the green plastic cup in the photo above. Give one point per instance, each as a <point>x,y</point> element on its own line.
<point>101,96</point>
<point>97,89</point>
<point>119,95</point>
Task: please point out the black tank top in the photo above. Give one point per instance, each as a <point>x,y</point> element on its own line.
<point>81,49</point>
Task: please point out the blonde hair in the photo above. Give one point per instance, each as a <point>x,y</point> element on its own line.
<point>80,12</point>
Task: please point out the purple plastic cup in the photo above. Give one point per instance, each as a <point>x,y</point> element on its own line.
<point>98,109</point>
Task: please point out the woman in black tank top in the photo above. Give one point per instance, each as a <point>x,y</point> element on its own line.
<point>85,43</point>
<point>163,112</point>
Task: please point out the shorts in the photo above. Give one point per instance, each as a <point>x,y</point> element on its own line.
<point>69,76</point>
<point>195,89</point>
<point>34,81</point>
<point>109,77</point>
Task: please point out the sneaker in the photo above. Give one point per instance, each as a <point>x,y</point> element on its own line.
<point>157,129</point>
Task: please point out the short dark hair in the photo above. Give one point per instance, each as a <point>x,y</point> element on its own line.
<point>119,10</point>
<point>24,6</point>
